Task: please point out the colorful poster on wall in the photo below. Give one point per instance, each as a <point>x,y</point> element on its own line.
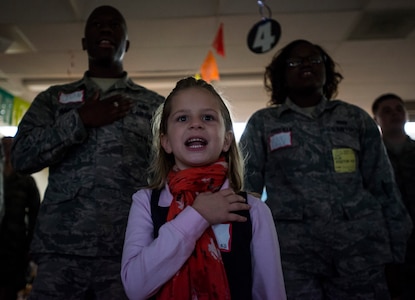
<point>12,109</point>
<point>20,107</point>
<point>6,107</point>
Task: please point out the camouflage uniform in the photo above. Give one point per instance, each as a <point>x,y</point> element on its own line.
<point>2,204</point>
<point>330,188</point>
<point>22,201</point>
<point>403,164</point>
<point>93,172</point>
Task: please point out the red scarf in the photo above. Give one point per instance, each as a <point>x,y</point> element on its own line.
<point>203,275</point>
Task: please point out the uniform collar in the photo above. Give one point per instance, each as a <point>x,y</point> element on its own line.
<point>312,112</point>
<point>122,83</point>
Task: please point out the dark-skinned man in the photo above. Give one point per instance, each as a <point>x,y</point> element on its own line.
<point>94,136</point>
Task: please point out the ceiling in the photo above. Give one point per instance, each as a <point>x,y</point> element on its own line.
<point>373,41</point>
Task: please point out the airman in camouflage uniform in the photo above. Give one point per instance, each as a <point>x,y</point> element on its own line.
<point>390,113</point>
<point>97,148</point>
<point>2,208</point>
<point>22,201</point>
<point>328,182</point>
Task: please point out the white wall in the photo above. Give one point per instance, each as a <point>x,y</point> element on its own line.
<point>41,179</point>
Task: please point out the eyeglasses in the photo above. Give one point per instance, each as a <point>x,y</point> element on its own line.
<point>296,62</point>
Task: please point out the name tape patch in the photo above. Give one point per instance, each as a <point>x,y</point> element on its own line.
<point>280,140</point>
<point>74,97</point>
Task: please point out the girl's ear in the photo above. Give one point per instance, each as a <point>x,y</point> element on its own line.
<point>164,141</point>
<point>228,141</point>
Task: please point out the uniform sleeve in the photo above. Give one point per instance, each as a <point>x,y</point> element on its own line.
<point>44,134</point>
<point>379,179</point>
<point>254,150</point>
<point>268,281</point>
<point>148,263</point>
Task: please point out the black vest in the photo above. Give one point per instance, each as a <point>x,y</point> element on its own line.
<point>237,262</point>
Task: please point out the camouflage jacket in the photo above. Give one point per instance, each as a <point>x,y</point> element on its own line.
<point>22,200</point>
<point>2,203</point>
<point>93,172</point>
<point>329,185</point>
<point>404,168</point>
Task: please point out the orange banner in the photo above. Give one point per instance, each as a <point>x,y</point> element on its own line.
<point>209,69</point>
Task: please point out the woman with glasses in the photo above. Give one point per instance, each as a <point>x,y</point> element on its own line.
<point>328,181</point>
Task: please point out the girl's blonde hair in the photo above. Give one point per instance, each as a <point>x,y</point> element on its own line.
<point>162,162</point>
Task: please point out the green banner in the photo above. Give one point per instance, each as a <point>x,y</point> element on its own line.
<point>20,107</point>
<point>12,109</point>
<point>6,107</point>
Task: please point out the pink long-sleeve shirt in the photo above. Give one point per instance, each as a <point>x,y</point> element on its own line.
<point>148,263</point>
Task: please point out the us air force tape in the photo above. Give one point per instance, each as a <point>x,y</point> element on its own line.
<point>263,36</point>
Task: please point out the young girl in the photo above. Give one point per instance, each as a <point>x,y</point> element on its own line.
<point>210,243</point>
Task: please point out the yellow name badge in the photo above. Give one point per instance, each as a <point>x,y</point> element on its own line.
<point>344,160</point>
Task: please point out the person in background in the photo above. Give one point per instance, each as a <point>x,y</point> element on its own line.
<point>390,113</point>
<point>2,208</point>
<point>22,201</point>
<point>328,181</point>
<point>211,242</point>
<point>94,135</point>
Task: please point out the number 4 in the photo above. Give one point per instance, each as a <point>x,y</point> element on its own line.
<point>264,37</point>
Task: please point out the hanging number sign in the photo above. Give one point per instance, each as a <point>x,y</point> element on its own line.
<point>265,34</point>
